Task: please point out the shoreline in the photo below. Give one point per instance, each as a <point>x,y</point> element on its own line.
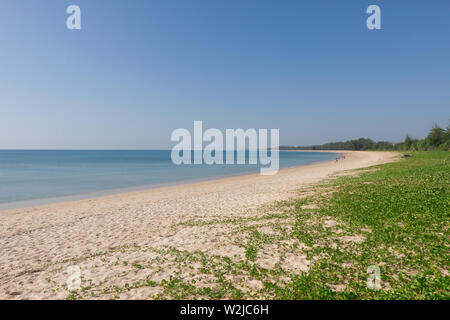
<point>23,204</point>
<point>105,236</point>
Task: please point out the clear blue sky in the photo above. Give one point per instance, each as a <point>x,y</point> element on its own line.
<point>139,69</point>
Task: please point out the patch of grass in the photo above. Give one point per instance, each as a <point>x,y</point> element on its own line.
<point>404,209</point>
<point>251,253</point>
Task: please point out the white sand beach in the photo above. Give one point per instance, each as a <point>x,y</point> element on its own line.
<point>104,236</point>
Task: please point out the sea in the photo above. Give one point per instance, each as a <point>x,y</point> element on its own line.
<point>29,177</point>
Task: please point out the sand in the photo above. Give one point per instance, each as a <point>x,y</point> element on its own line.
<point>104,236</point>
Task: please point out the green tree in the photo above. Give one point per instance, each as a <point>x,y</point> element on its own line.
<point>436,136</point>
<point>408,142</point>
<point>447,138</point>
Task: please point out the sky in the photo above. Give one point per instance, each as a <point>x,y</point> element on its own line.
<point>137,70</point>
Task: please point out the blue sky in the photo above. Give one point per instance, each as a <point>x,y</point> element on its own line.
<point>140,69</point>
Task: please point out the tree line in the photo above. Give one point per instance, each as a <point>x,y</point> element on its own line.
<point>437,139</point>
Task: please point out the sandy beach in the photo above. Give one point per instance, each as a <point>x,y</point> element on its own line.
<point>105,237</point>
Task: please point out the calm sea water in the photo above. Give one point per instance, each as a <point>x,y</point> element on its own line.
<point>28,175</point>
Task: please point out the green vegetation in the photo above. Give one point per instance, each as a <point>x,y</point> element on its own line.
<point>437,139</point>
<point>402,211</point>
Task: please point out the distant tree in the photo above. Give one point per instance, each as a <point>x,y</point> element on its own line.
<point>437,139</point>
<point>447,138</point>
<point>436,136</point>
<point>424,145</point>
<point>383,145</point>
<point>446,145</point>
<point>408,142</point>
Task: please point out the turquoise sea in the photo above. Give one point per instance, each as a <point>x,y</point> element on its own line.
<point>49,174</point>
